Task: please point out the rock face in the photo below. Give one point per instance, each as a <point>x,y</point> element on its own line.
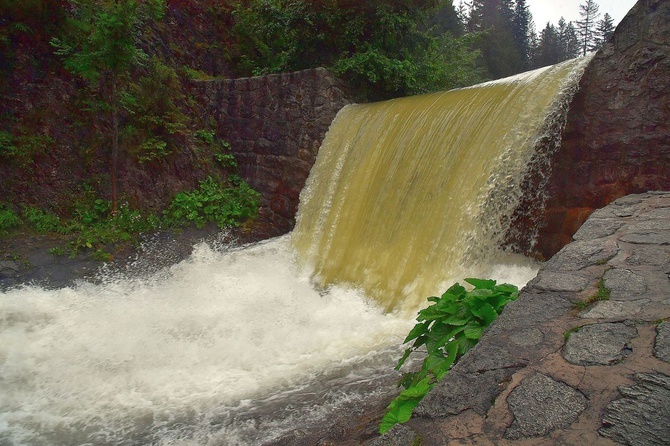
<point>617,137</point>
<point>275,125</point>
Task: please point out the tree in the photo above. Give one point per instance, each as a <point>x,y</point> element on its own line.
<point>604,30</point>
<point>521,31</point>
<point>101,46</point>
<point>383,48</point>
<point>549,51</point>
<point>568,41</point>
<point>499,51</point>
<point>586,27</point>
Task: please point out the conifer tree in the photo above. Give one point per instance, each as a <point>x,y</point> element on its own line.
<point>521,31</point>
<point>101,46</point>
<point>604,30</point>
<point>499,52</point>
<point>586,27</point>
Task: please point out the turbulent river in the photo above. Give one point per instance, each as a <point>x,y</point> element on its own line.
<point>243,345</point>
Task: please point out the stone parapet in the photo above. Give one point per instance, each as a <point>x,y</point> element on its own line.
<point>581,357</point>
<point>275,125</point>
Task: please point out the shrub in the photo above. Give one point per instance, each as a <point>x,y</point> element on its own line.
<point>447,329</point>
<point>214,201</point>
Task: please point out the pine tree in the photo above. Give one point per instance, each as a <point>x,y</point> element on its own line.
<point>521,31</point>
<point>499,52</point>
<point>604,30</point>
<point>549,47</point>
<point>586,27</point>
<point>568,42</point>
<point>101,47</point>
<point>571,42</point>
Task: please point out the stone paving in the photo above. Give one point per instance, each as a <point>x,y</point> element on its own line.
<point>582,357</point>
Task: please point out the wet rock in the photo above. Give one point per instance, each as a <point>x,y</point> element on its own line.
<point>599,344</point>
<point>398,436</point>
<point>647,238</point>
<point>623,283</point>
<point>551,281</point>
<point>582,253</point>
<point>595,228</point>
<point>540,405</point>
<point>662,342</point>
<point>649,256</point>
<point>615,309</point>
<point>527,337</point>
<point>640,416</point>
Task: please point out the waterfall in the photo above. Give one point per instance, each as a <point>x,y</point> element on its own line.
<point>240,346</point>
<point>408,193</point>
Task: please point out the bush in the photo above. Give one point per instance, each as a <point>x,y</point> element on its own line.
<point>448,329</point>
<point>8,219</point>
<point>214,201</point>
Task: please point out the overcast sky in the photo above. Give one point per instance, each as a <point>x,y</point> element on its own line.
<point>552,10</point>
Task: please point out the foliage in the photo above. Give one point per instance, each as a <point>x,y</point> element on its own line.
<point>8,218</point>
<point>101,45</point>
<point>383,48</point>
<point>586,27</point>
<point>155,125</point>
<point>603,293</point>
<point>42,221</point>
<point>214,201</point>
<point>447,329</point>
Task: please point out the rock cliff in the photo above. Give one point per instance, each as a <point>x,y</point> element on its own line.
<point>617,137</point>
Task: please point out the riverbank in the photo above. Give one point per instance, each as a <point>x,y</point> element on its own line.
<point>582,357</point>
<point>28,258</point>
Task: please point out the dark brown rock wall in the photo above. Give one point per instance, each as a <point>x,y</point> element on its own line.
<point>617,137</point>
<point>275,125</point>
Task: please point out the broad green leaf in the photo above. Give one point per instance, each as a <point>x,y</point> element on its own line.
<point>482,283</point>
<point>455,290</point>
<point>417,331</point>
<point>487,313</point>
<point>507,288</point>
<point>480,293</point>
<point>473,331</point>
<point>402,360</point>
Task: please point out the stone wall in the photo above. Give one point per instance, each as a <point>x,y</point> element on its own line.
<point>617,137</point>
<point>275,125</point>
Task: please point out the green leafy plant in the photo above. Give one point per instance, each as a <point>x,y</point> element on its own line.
<point>42,221</point>
<point>214,201</point>
<point>447,329</point>
<point>8,218</point>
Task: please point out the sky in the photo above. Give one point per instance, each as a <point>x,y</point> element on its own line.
<point>551,10</point>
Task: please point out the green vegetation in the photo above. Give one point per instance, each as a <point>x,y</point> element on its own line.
<point>8,218</point>
<point>603,293</point>
<point>213,201</point>
<point>447,329</point>
<point>382,48</point>
<point>91,225</point>
<point>100,44</point>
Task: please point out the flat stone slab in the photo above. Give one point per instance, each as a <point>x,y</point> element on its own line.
<point>540,405</point>
<point>649,256</point>
<point>641,417</point>
<point>597,228</point>
<point>582,253</point>
<point>599,344</point>
<point>662,342</point>
<point>615,309</point>
<point>551,281</point>
<point>648,238</point>
<point>624,283</point>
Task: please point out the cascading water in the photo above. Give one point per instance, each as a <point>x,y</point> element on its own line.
<point>237,346</point>
<point>411,192</point>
